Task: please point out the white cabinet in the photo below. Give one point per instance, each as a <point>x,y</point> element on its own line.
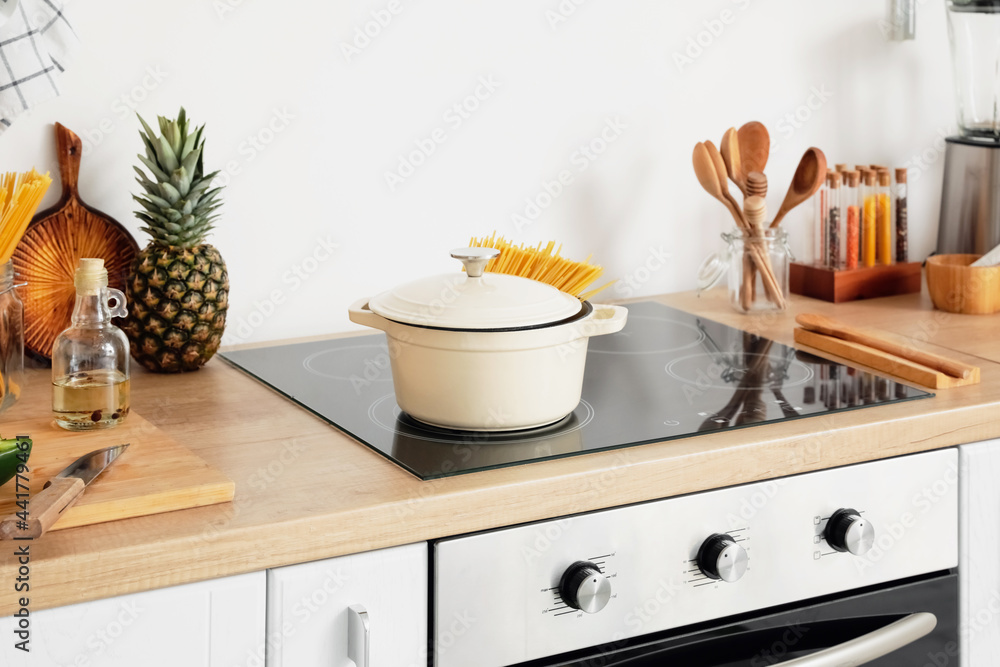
<point>979,549</point>
<point>205,624</point>
<point>307,609</point>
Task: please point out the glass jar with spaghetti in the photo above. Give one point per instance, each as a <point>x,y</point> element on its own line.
<point>11,339</point>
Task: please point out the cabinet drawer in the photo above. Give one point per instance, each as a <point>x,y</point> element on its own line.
<point>307,609</point>
<point>205,624</point>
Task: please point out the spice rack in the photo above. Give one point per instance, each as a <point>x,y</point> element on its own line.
<point>862,247</point>
<point>837,286</point>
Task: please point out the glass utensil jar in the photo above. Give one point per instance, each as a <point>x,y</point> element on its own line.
<point>11,339</point>
<point>751,289</point>
<point>90,376</point>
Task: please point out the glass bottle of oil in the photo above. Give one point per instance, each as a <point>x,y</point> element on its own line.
<point>90,380</point>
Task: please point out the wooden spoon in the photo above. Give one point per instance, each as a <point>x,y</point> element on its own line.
<point>704,169</point>
<point>828,327</point>
<point>711,173</point>
<point>755,146</point>
<point>730,149</point>
<point>808,177</point>
<point>722,173</point>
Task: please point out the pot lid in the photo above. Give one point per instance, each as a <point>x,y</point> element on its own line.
<point>474,299</point>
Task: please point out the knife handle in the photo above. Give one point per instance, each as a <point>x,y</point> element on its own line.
<point>44,508</point>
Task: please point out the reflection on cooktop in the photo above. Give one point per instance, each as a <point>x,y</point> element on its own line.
<point>666,375</point>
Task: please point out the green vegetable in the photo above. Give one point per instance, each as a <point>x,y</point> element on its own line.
<point>14,453</point>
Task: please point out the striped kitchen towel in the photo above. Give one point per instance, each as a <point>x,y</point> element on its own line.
<point>36,41</point>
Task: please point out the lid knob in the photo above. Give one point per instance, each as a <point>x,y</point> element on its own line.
<point>475,259</point>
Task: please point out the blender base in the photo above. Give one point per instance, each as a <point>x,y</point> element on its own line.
<point>970,197</point>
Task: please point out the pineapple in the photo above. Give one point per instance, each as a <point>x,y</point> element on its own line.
<point>178,287</point>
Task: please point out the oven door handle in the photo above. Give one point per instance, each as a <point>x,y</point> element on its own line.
<point>862,650</point>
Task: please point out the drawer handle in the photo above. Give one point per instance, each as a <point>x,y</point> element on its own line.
<point>358,634</point>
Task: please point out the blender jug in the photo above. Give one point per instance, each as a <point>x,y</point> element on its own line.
<point>970,199</point>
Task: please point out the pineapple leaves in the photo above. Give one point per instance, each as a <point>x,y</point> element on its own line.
<point>180,180</point>
<point>191,160</point>
<point>178,203</point>
<point>165,155</point>
<point>169,192</point>
<point>156,171</point>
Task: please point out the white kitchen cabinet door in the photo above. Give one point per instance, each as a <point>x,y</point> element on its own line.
<point>217,623</point>
<point>307,609</point>
<point>979,554</point>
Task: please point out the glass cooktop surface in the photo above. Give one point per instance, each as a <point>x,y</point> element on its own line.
<point>668,374</point>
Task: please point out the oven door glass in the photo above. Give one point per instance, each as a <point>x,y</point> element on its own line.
<point>905,624</point>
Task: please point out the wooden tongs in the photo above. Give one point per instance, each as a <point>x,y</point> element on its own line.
<point>883,353</point>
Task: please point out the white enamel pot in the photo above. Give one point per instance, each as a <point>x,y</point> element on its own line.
<point>488,379</point>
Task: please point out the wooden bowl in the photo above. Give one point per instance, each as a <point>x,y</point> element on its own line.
<point>957,287</point>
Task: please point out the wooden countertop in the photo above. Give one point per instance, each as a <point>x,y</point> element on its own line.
<point>305,491</point>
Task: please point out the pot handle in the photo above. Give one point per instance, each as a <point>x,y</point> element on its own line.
<point>361,314</point>
<point>604,320</point>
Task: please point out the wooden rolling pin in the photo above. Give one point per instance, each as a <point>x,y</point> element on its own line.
<point>828,327</point>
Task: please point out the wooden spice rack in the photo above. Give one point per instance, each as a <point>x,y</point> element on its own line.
<point>850,284</point>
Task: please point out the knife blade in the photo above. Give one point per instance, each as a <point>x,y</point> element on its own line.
<point>89,466</point>
<point>59,494</point>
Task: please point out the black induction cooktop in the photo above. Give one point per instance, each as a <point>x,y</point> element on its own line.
<point>668,374</point>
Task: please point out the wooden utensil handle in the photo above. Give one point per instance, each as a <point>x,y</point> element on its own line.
<point>746,287</point>
<point>44,509</point>
<point>770,281</point>
<point>829,327</point>
<point>69,150</point>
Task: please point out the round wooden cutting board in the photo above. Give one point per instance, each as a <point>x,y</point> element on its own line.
<point>47,256</point>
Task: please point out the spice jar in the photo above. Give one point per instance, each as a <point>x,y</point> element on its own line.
<point>11,338</point>
<point>902,245</point>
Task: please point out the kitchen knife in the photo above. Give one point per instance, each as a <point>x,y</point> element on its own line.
<point>59,494</point>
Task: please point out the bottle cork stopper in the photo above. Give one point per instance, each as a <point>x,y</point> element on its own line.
<point>841,167</point>
<point>901,174</point>
<point>756,211</point>
<point>835,180</point>
<point>884,177</point>
<point>90,275</point>
<point>869,177</point>
<point>853,178</point>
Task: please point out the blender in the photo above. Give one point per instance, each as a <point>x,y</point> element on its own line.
<point>970,199</point>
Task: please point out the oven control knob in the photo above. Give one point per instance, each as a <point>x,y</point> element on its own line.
<point>721,558</point>
<point>847,531</point>
<point>583,587</point>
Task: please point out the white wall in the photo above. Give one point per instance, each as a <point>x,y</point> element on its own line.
<point>245,66</point>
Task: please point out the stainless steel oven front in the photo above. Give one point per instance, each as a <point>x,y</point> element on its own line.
<point>847,566</point>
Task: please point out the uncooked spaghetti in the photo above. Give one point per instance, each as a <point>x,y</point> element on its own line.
<point>20,195</point>
<point>543,264</point>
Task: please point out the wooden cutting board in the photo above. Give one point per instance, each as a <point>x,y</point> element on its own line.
<point>47,256</point>
<point>156,474</point>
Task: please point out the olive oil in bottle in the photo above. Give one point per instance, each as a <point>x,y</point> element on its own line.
<point>90,380</point>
